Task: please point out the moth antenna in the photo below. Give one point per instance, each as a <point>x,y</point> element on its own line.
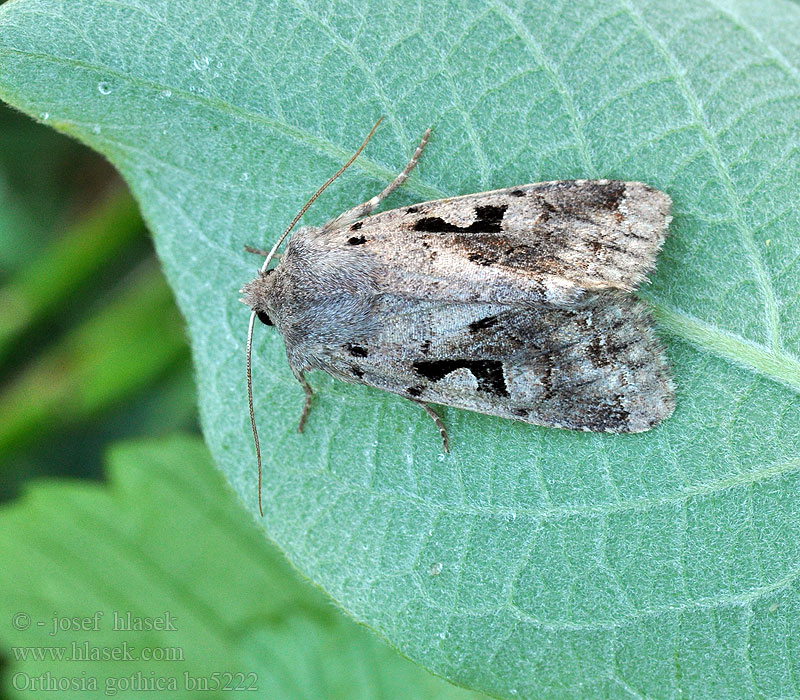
<point>318,193</point>
<point>250,402</point>
<point>271,255</point>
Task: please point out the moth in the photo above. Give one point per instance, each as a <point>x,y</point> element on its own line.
<point>516,302</point>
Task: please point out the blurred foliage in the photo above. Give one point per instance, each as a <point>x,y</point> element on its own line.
<point>234,604</point>
<point>92,347</point>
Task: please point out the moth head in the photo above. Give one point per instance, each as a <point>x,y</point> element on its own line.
<point>259,295</point>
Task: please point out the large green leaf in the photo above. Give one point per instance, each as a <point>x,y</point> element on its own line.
<point>529,562</point>
<point>166,541</point>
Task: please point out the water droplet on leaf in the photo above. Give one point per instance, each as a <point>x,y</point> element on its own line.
<point>201,63</point>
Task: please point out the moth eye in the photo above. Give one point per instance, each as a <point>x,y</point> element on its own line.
<point>264,318</point>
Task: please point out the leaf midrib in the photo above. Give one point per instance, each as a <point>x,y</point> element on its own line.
<point>763,280</point>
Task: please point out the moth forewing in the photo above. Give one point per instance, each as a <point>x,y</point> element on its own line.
<point>549,242</point>
<point>514,302</point>
<point>595,367</point>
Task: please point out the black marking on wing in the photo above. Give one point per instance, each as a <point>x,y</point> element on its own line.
<point>619,414</point>
<point>490,250</point>
<point>489,373</point>
<point>547,210</point>
<point>356,350</point>
<point>414,391</point>
<point>592,194</point>
<point>356,240</point>
<point>547,383</point>
<point>357,225</point>
<point>357,372</point>
<point>488,219</point>
<point>482,323</point>
<point>610,194</point>
<point>604,352</point>
<point>482,259</point>
<point>594,349</point>
<point>517,193</point>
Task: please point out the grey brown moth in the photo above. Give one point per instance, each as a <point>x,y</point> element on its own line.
<point>515,302</point>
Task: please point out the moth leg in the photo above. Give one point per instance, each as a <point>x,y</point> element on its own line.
<point>309,395</point>
<point>437,420</point>
<point>256,251</point>
<point>352,215</point>
<point>259,251</point>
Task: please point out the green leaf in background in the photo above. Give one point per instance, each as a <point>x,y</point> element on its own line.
<point>36,291</point>
<point>166,537</point>
<point>86,372</point>
<point>45,180</point>
<point>17,225</point>
<point>529,562</point>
